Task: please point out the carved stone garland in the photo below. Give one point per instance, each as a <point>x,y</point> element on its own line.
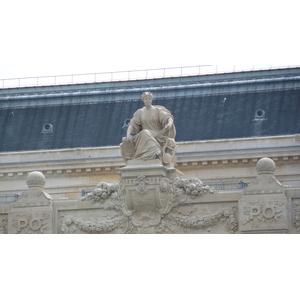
<point>3,226</point>
<point>297,216</point>
<point>102,192</point>
<point>158,218</point>
<point>72,224</point>
<point>201,222</point>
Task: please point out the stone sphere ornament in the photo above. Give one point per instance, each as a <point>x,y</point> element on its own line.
<point>36,179</point>
<point>265,166</point>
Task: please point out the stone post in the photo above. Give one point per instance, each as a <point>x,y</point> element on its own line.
<point>263,206</point>
<point>146,191</point>
<point>33,211</point>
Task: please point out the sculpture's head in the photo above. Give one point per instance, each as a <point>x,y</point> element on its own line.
<point>147,98</point>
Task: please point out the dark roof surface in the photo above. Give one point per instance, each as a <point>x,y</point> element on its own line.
<point>196,118</point>
<point>218,115</point>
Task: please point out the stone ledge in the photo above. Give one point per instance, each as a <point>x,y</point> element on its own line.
<point>73,170</point>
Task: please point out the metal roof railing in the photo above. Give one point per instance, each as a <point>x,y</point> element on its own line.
<point>146,74</point>
<point>8,198</point>
<point>219,184</point>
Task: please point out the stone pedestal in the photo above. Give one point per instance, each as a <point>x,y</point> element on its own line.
<point>32,212</point>
<point>263,206</point>
<point>147,192</point>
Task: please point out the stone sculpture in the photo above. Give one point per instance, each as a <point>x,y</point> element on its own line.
<point>150,134</point>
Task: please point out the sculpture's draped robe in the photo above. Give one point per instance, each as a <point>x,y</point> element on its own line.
<point>147,124</point>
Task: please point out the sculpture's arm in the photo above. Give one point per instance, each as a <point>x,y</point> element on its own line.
<point>129,132</point>
<point>169,124</point>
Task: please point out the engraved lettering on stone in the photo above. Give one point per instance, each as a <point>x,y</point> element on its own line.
<point>22,223</point>
<point>31,223</point>
<point>254,211</point>
<point>270,211</point>
<point>35,224</point>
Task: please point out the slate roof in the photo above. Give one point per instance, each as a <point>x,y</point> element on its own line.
<point>93,116</point>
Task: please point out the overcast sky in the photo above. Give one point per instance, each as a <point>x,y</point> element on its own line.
<point>73,37</point>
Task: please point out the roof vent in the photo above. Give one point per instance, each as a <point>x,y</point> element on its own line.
<point>47,128</point>
<point>260,114</point>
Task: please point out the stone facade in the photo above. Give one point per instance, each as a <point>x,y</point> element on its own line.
<point>151,198</point>
<point>70,171</point>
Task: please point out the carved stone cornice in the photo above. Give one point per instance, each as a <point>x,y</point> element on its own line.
<point>231,152</point>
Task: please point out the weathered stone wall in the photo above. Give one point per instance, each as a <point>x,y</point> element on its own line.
<point>69,171</point>
<point>156,199</point>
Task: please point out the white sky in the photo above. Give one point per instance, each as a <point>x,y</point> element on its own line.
<point>72,37</point>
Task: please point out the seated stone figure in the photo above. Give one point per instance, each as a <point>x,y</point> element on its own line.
<point>150,134</point>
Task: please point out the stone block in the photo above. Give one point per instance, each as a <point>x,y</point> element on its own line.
<point>263,206</point>
<point>32,212</point>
